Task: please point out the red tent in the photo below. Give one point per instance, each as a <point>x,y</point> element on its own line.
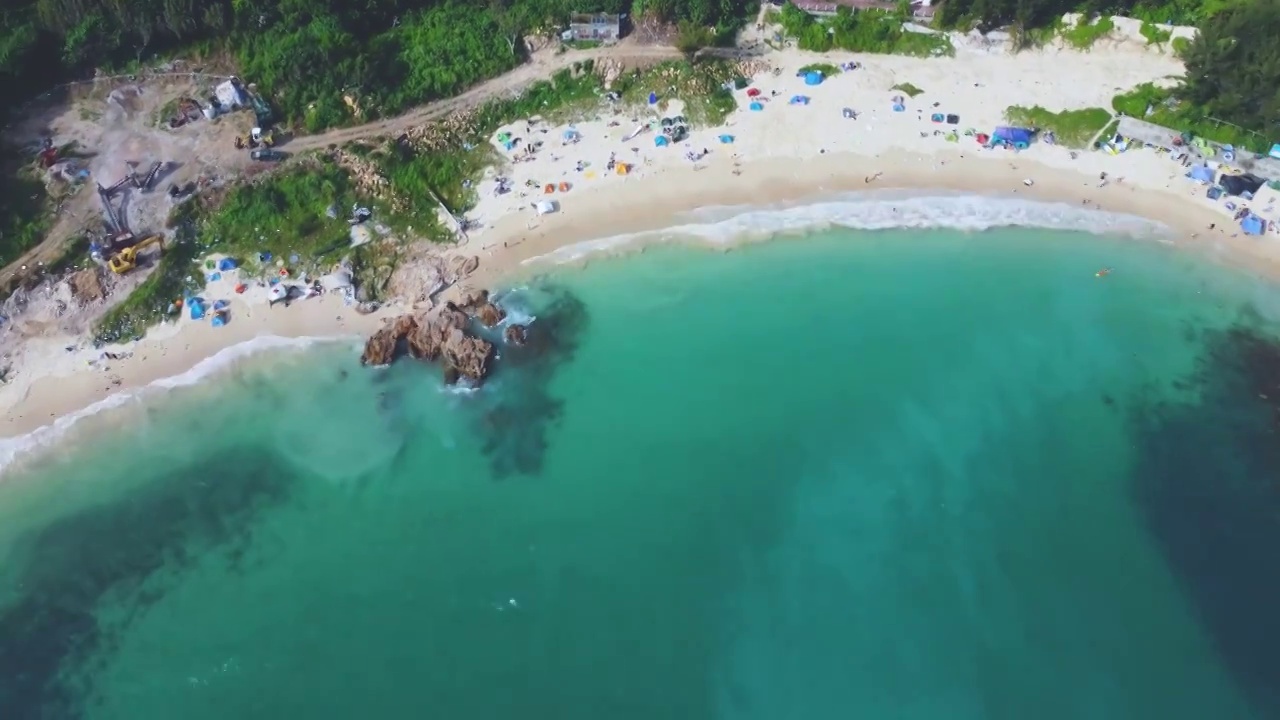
<point>753,92</point>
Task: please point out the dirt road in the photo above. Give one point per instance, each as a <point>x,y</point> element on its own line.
<point>540,67</point>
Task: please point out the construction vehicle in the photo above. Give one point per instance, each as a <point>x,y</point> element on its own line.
<point>127,259</point>
<point>257,137</point>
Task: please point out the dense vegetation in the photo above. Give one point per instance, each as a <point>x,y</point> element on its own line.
<point>1032,14</point>
<point>315,60</point>
<point>875,31</point>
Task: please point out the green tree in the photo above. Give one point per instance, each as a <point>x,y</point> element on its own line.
<point>1233,67</point>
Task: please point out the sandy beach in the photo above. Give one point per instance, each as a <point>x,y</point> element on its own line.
<point>781,156</point>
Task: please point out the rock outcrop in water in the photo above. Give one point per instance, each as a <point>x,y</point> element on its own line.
<point>516,334</point>
<point>443,336</point>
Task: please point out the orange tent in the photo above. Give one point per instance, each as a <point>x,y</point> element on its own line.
<point>623,168</point>
<point>549,188</point>
<point>564,187</point>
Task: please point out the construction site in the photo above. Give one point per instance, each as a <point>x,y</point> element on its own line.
<point>118,157</point>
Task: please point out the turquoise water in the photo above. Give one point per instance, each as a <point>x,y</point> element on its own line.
<point>914,475</point>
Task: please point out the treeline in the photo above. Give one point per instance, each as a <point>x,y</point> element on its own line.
<point>309,56</point>
<point>1032,14</point>
<point>1233,69</point>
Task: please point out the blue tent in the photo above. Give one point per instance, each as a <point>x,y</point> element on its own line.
<point>726,139</point>
<point>660,141</point>
<point>1201,173</point>
<point>756,106</point>
<point>226,264</point>
<point>798,100</point>
<point>1017,137</point>
<point>197,308</point>
<point>653,98</point>
<point>813,78</point>
<point>1252,225</point>
<point>1275,151</point>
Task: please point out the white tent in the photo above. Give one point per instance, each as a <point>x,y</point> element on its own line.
<point>228,95</point>
<point>546,207</point>
<point>337,280</point>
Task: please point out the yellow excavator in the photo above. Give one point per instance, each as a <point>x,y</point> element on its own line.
<point>127,259</point>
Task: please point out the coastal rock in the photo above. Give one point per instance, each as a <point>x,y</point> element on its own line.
<point>490,314</point>
<point>427,339</point>
<point>440,336</point>
<point>516,334</point>
<point>472,300</point>
<point>467,354</point>
<point>384,346</point>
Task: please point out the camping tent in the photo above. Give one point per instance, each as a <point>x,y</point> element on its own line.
<point>1017,137</point>
<point>757,107</point>
<point>197,308</point>
<point>546,207</point>
<point>1201,174</point>
<point>1241,184</point>
<point>813,78</point>
<point>798,100</point>
<point>1252,225</point>
<point>660,141</point>
<point>1275,151</point>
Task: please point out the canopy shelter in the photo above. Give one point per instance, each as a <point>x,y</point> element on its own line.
<point>1246,184</point>
<point>546,207</point>
<point>1019,138</point>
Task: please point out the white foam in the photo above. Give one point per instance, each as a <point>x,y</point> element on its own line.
<point>884,210</point>
<point>11,449</point>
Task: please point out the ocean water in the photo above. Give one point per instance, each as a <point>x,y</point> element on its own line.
<point>922,474</point>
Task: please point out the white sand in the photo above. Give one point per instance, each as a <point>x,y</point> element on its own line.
<point>782,153</point>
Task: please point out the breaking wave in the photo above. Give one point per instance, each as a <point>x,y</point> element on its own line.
<point>885,210</point>
<point>12,449</point>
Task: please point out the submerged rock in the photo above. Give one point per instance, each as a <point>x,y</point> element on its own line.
<point>516,334</point>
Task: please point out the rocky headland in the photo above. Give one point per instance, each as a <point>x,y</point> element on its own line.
<point>447,334</point>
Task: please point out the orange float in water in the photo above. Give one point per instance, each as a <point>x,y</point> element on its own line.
<point>1103,272</point>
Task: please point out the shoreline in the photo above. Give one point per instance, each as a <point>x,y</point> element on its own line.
<point>172,350</point>
<point>779,160</point>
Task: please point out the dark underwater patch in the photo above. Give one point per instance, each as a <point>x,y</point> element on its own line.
<point>514,429</point>
<point>114,550</point>
<point>1208,482</point>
